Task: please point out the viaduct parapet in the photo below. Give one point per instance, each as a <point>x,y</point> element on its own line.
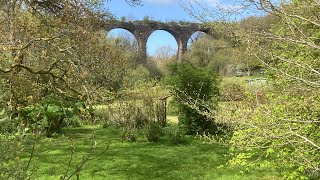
<point>143,29</point>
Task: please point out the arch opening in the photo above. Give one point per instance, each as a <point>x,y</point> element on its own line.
<point>196,36</point>
<point>162,45</point>
<point>124,39</point>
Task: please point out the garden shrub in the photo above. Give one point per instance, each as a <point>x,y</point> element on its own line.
<point>125,114</point>
<point>10,164</point>
<point>172,107</point>
<point>153,131</point>
<point>12,149</point>
<point>135,108</point>
<point>128,135</point>
<point>105,123</point>
<point>73,121</point>
<point>285,126</point>
<point>174,134</point>
<point>49,116</point>
<point>196,91</point>
<point>7,124</point>
<point>232,90</point>
<point>42,118</point>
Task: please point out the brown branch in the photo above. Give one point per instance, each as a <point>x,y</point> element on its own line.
<point>307,140</point>
<point>307,82</point>
<point>29,69</point>
<point>30,158</point>
<point>304,19</point>
<point>32,41</point>
<point>70,159</point>
<point>85,159</point>
<point>295,41</point>
<point>42,72</point>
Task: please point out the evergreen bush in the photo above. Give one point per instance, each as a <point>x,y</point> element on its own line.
<point>196,91</point>
<point>153,131</point>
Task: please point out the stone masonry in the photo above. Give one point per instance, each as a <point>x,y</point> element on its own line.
<point>143,29</point>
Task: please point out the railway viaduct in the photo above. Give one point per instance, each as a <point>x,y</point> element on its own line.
<point>141,30</point>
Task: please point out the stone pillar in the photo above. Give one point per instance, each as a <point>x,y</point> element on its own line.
<point>143,51</point>
<point>142,36</point>
<point>182,47</point>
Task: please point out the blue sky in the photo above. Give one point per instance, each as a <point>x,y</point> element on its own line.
<point>162,10</point>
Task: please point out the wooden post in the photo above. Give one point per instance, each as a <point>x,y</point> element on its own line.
<point>163,110</point>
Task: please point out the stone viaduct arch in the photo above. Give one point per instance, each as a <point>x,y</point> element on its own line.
<point>141,30</point>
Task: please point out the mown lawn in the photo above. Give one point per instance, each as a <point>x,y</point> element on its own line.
<point>139,160</point>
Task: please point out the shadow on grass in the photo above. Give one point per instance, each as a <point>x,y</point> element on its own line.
<point>139,160</point>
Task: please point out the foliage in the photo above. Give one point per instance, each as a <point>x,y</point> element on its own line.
<point>174,134</point>
<point>45,52</point>
<point>128,114</point>
<point>73,121</point>
<point>153,131</point>
<point>293,56</point>
<point>123,19</point>
<point>222,55</point>
<point>129,135</point>
<point>164,66</point>
<point>148,21</point>
<point>21,152</point>
<point>134,2</point>
<point>206,51</point>
<point>136,76</point>
<point>135,108</point>
<point>16,155</point>
<point>232,90</point>
<point>194,88</point>
<point>281,122</point>
<point>11,165</point>
<point>155,72</point>
<point>295,134</point>
<point>135,70</point>
<point>49,116</point>
<point>7,124</point>
<point>172,107</point>
<point>279,125</point>
<point>164,53</point>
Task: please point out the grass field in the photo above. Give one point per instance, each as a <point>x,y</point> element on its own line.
<point>173,119</point>
<point>138,160</point>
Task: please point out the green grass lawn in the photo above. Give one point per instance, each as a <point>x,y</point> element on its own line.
<point>173,119</point>
<point>139,160</point>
